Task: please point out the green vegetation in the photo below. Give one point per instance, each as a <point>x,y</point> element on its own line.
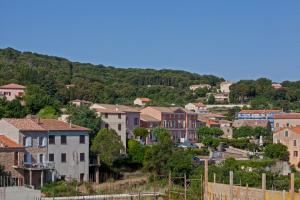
<point>96,83</point>
<point>108,146</point>
<point>276,151</point>
<point>247,131</point>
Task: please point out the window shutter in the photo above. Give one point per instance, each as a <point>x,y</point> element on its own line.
<point>44,141</point>
<point>28,142</point>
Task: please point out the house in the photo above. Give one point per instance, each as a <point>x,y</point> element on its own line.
<point>181,123</point>
<point>195,87</point>
<point>53,149</point>
<point>123,119</point>
<point>78,102</point>
<point>252,123</point>
<point>12,91</point>
<point>290,137</point>
<point>11,155</point>
<point>259,115</point>
<point>276,86</point>
<point>286,120</point>
<point>142,101</point>
<point>219,97</point>
<point>149,123</point>
<point>226,127</point>
<point>225,86</point>
<point>197,107</point>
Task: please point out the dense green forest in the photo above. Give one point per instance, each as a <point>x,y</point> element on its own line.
<point>98,83</point>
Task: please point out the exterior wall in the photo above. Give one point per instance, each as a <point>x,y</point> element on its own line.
<point>35,149</point>
<point>228,131</point>
<point>7,160</point>
<point>113,122</point>
<point>224,87</point>
<point>138,102</point>
<point>131,119</point>
<point>191,106</point>
<point>73,167</point>
<point>9,130</point>
<point>11,94</point>
<point>283,123</point>
<point>280,137</point>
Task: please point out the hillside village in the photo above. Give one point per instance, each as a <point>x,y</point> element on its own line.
<point>47,139</point>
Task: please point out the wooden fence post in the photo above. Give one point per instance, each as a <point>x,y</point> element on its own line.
<point>169,186</point>
<point>231,185</point>
<point>263,185</point>
<point>205,179</point>
<point>292,186</point>
<point>185,187</point>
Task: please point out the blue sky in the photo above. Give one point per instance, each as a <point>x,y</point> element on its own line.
<point>234,39</point>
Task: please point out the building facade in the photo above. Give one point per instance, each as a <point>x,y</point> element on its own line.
<point>53,149</point>
<point>142,101</point>
<point>286,120</point>
<point>122,119</point>
<point>197,107</point>
<point>181,123</point>
<point>225,86</point>
<point>290,137</point>
<point>259,115</point>
<point>12,91</point>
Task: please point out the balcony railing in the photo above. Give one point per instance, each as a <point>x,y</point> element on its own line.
<point>44,165</point>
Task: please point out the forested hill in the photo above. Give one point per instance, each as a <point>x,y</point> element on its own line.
<point>98,83</point>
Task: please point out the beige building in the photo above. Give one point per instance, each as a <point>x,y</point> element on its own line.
<point>195,87</point>
<point>286,120</point>
<point>123,119</point>
<point>12,91</point>
<point>197,107</point>
<point>225,86</point>
<point>290,137</point>
<point>252,123</point>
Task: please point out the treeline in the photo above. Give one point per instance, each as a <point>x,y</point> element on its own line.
<point>98,83</point>
<point>262,95</point>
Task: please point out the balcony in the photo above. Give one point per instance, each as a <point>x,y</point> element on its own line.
<point>36,166</point>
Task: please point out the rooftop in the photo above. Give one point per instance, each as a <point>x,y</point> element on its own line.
<point>6,142</point>
<point>287,116</point>
<point>171,109</point>
<point>148,118</point>
<point>111,108</point>
<point>12,86</point>
<point>259,111</point>
<point>144,99</point>
<point>28,124</point>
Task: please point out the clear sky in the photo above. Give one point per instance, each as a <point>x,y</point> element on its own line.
<point>236,39</point>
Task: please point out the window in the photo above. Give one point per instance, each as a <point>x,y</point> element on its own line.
<point>287,124</point>
<point>106,115</point>
<point>136,121</point>
<point>119,127</point>
<point>27,158</point>
<point>51,157</point>
<point>63,139</point>
<point>286,133</point>
<point>62,177</point>
<point>51,139</point>
<point>42,141</point>
<point>27,141</point>
<point>63,157</point>
<point>119,116</point>
<point>82,139</point>
<point>82,157</point>
<point>295,143</point>
<point>295,153</point>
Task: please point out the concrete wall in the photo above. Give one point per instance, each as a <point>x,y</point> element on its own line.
<point>283,123</point>
<point>16,193</point>
<point>73,167</point>
<point>130,119</point>
<point>9,130</point>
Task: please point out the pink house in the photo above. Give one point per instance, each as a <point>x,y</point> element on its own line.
<point>11,91</point>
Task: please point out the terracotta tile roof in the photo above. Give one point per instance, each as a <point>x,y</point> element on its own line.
<point>199,104</point>
<point>111,108</point>
<point>211,122</point>
<point>26,124</point>
<point>143,99</point>
<point>56,125</point>
<point>259,111</point>
<point>82,101</point>
<point>287,116</point>
<point>6,142</point>
<point>171,109</point>
<point>12,86</point>
<point>148,118</point>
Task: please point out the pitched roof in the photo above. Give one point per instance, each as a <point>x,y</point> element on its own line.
<point>12,86</point>
<point>259,111</point>
<point>287,116</point>
<point>144,99</point>
<point>148,118</point>
<point>26,124</point>
<point>171,109</point>
<point>111,108</point>
<point>6,142</point>
<point>199,104</point>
